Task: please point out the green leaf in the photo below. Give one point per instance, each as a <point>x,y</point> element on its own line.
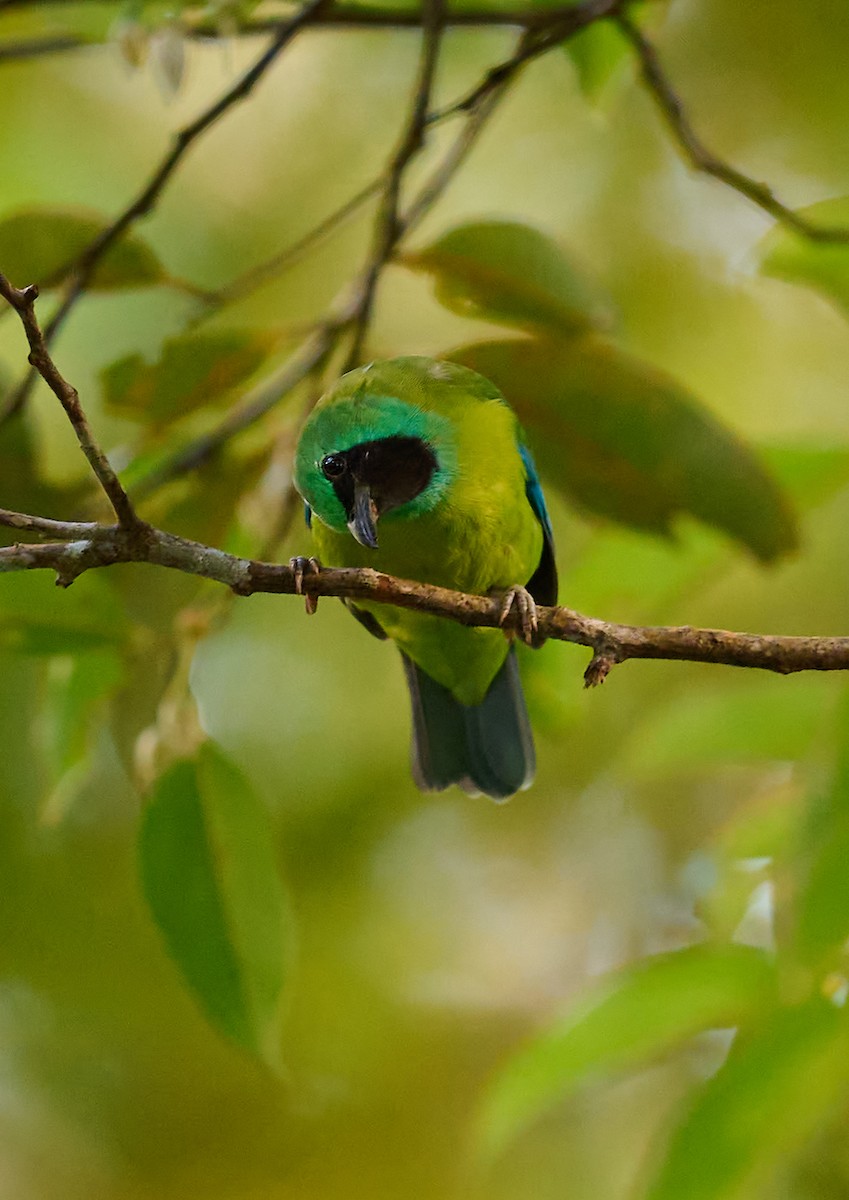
<point>632,1018</point>
<point>38,618</point>
<point>596,52</point>
<point>625,441</point>
<point>775,1090</point>
<point>821,265</point>
<point>193,370</point>
<point>742,721</point>
<point>37,245</point>
<point>512,274</point>
<point>811,474</point>
<point>822,926</point>
<point>210,878</point>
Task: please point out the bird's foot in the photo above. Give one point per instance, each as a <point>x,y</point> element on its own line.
<point>520,599</point>
<point>301,567</point>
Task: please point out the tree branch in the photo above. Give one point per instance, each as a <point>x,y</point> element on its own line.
<point>23,302</point>
<point>559,25</point>
<point>90,547</point>
<point>703,159</point>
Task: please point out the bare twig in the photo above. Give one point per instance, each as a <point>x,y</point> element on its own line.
<point>146,200</point>
<point>388,227</point>
<point>23,302</point>
<point>87,548</point>
<point>248,282</point>
<point>560,25</point>
<point>703,159</point>
<point>39,47</point>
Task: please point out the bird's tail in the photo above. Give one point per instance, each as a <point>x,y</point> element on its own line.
<point>485,748</point>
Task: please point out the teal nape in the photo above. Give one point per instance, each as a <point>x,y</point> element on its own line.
<point>416,468</point>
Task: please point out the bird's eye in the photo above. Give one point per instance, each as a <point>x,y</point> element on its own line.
<point>333,466</point>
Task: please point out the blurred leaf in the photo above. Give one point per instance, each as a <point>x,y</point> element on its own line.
<point>755,719</point>
<point>76,687</point>
<point>596,52</point>
<point>823,901</point>
<point>810,474</point>
<point>210,878</point>
<point>194,369</point>
<point>777,1087</point>
<point>36,617</point>
<point>820,265</point>
<point>633,1017</point>
<point>512,274</point>
<point>623,440</point>
<point>37,245</point>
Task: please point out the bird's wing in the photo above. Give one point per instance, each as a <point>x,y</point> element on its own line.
<point>543,583</point>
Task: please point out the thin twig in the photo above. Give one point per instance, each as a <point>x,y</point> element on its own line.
<point>703,159</point>
<point>610,642</point>
<point>39,47</point>
<point>388,228</point>
<point>23,302</point>
<point>248,282</point>
<point>146,200</point>
<point>560,25</point>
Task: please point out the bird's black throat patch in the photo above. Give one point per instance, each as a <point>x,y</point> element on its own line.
<point>394,469</point>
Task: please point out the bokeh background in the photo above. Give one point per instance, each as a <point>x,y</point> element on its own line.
<point>430,937</point>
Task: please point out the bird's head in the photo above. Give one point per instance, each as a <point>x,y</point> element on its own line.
<point>383,441</point>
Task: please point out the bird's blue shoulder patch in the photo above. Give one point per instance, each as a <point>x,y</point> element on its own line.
<point>543,583</point>
<point>307,515</point>
<point>533,490</point>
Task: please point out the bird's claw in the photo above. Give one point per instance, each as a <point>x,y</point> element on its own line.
<point>305,566</point>
<point>522,601</point>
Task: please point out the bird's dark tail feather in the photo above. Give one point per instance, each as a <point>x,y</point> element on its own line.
<point>485,748</point>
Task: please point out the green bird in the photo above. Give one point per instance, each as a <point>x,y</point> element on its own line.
<point>416,468</point>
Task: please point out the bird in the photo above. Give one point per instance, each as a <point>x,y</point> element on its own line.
<point>416,467</point>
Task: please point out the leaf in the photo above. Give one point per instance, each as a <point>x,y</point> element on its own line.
<point>823,901</point>
<point>625,441</point>
<point>210,878</point>
<point>512,274</point>
<point>632,1018</point>
<point>596,52</point>
<point>774,1091</point>
<point>193,370</point>
<point>37,618</point>
<point>811,474</point>
<point>823,266</point>
<point>750,722</point>
<point>37,245</point>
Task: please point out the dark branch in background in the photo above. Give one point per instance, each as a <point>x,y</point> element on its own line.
<point>87,263</point>
<point>38,47</point>
<point>560,26</point>
<point>90,547</point>
<point>23,301</point>
<point>334,16</point>
<point>388,228</point>
<point>704,159</point>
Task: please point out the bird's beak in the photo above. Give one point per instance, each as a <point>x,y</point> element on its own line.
<point>364,517</point>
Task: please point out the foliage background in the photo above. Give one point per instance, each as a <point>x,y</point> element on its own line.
<point>432,937</point>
